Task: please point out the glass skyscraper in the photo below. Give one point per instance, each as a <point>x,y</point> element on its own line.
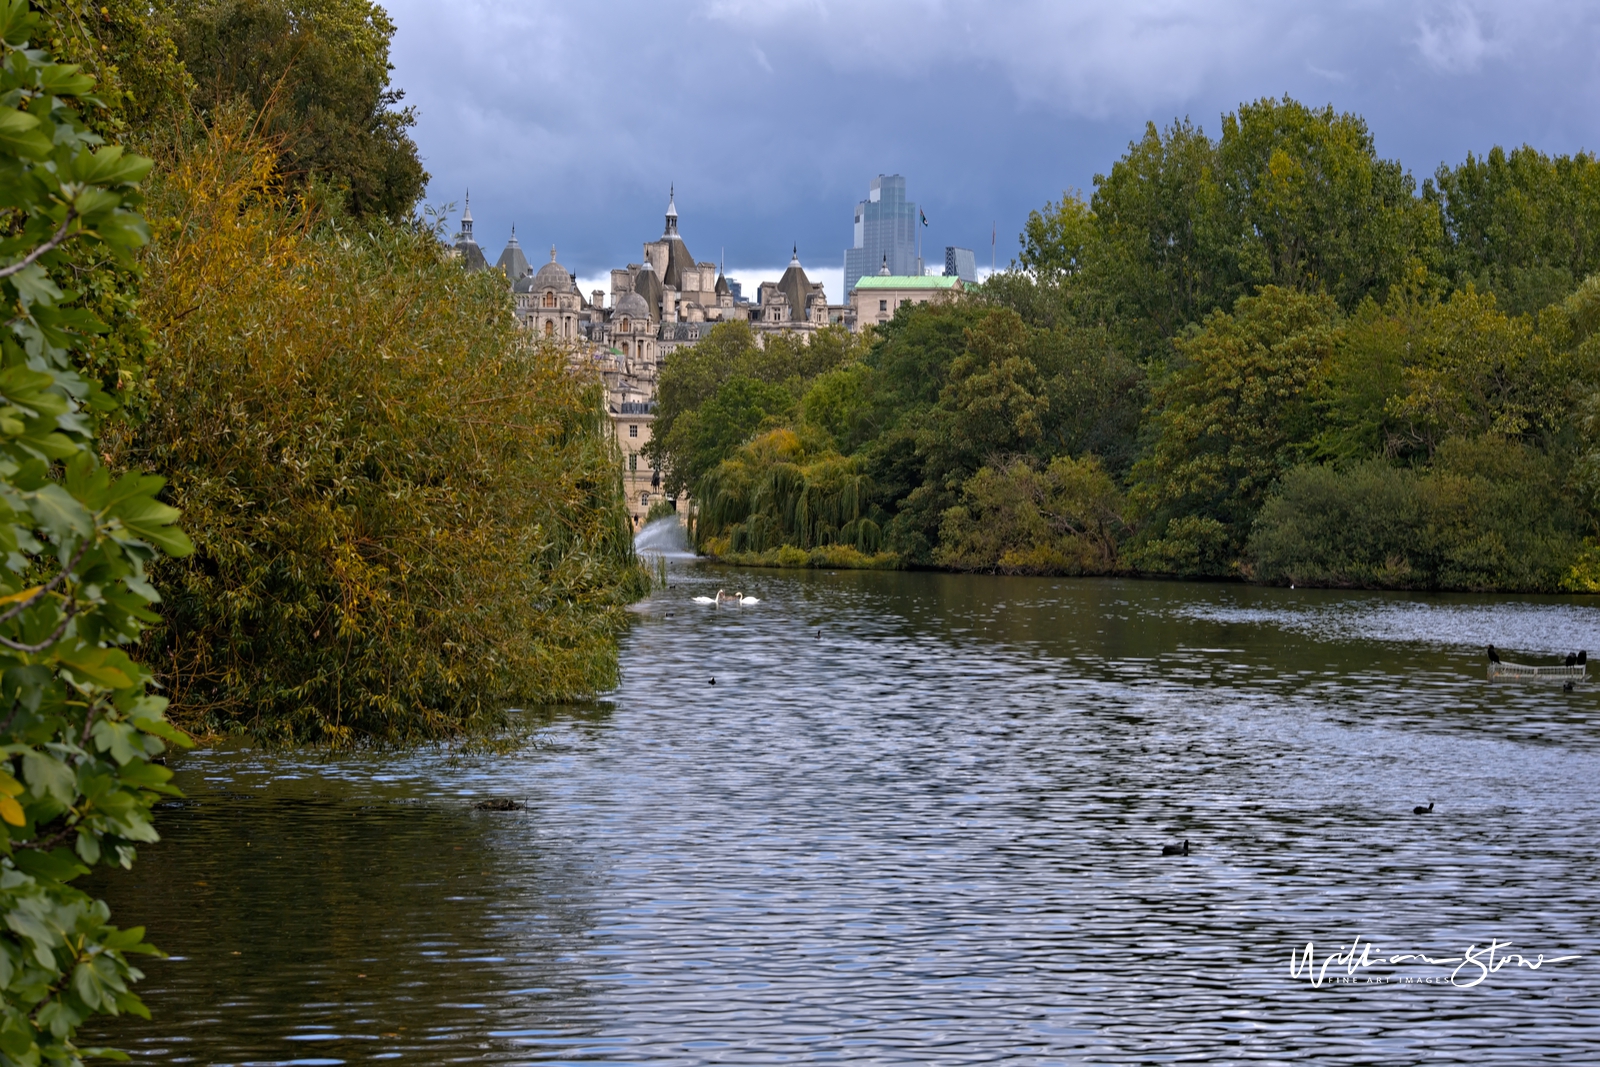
<point>886,226</point>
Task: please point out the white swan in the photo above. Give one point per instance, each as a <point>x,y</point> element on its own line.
<point>740,598</point>
<point>704,600</point>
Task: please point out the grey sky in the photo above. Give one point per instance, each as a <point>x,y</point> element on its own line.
<point>771,116</point>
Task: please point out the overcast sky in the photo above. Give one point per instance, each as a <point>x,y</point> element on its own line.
<point>771,116</point>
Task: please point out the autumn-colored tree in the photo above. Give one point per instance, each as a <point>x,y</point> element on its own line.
<point>408,519</point>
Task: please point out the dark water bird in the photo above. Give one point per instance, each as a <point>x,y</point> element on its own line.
<point>819,635</point>
<point>1566,686</point>
<point>499,804</point>
<point>1572,659</point>
<point>1176,850</point>
<point>1494,657</point>
<point>713,681</point>
<point>1420,810</point>
<point>1583,657</point>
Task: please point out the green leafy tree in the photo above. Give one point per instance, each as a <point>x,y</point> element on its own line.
<point>317,71</point>
<point>1312,205</point>
<point>1063,519</point>
<point>1231,420</point>
<point>78,728</point>
<point>714,395</point>
<point>1521,225</point>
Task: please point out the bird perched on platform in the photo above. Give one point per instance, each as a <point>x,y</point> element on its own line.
<point>1494,657</point>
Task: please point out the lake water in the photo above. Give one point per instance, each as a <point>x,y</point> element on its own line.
<point>919,818</point>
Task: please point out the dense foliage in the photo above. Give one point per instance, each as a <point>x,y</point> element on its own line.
<point>407,518</point>
<point>79,728</point>
<point>1269,355</point>
<point>317,74</point>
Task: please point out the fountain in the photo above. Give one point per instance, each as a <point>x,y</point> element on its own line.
<point>664,538</point>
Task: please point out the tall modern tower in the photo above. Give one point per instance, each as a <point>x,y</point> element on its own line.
<point>886,227</point>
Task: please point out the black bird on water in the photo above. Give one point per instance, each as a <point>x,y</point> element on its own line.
<point>713,681</point>
<point>1567,686</point>
<point>1572,659</point>
<point>1420,810</point>
<point>1494,657</point>
<point>1176,850</point>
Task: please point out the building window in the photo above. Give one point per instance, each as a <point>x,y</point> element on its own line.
<point>624,348</point>
<point>644,500</point>
<point>549,299</point>
<point>624,325</point>
<point>549,327</point>
<point>633,461</point>
<point>883,305</point>
<point>633,431</point>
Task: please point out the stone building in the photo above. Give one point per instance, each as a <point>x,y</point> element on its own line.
<point>793,302</point>
<point>665,301</point>
<point>875,298</point>
<point>466,249</point>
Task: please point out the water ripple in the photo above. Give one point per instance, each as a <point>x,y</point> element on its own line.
<point>919,818</point>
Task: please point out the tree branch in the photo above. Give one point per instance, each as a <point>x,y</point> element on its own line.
<point>17,646</point>
<point>44,590</point>
<point>60,238</point>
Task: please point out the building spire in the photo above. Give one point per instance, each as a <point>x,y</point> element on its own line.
<point>794,260</point>
<point>883,271</point>
<point>552,253</point>
<point>672,210</point>
<point>466,219</point>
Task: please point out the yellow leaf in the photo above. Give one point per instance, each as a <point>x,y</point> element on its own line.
<point>9,786</point>
<point>24,595</point>
<point>11,812</point>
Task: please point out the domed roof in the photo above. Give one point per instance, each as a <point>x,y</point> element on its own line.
<point>553,276</point>
<point>631,306</point>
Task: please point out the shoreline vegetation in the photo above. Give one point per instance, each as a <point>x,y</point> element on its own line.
<point>271,463</point>
<point>1267,356</point>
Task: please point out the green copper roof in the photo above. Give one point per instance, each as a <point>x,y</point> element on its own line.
<point>907,281</point>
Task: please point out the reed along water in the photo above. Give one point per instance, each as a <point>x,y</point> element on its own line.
<point>919,818</point>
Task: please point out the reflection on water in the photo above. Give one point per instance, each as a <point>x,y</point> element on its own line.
<point>919,818</point>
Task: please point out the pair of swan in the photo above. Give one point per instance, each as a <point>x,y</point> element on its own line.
<point>725,597</point>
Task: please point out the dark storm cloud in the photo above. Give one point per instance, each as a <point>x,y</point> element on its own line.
<point>570,120</point>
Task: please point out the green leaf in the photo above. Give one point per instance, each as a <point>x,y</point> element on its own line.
<point>98,665</point>
<point>54,509</point>
<point>49,776</point>
<point>20,133</point>
<point>57,865</point>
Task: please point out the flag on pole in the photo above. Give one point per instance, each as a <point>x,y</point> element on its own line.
<point>924,215</point>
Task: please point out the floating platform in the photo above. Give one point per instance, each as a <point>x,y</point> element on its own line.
<point>1521,672</point>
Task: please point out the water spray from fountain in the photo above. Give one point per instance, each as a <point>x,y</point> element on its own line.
<point>665,538</point>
